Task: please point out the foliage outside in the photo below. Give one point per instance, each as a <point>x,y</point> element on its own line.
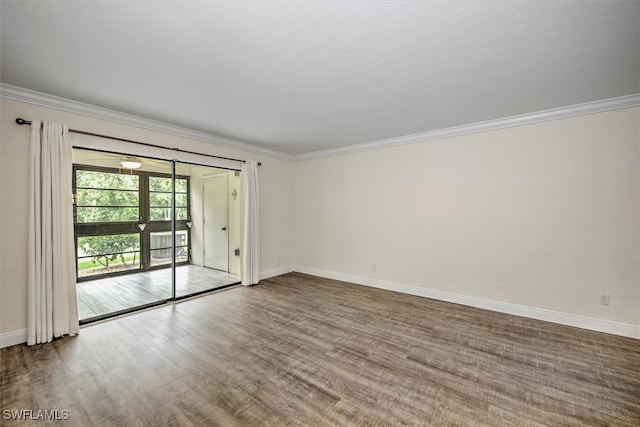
<point>160,198</point>
<point>110,251</point>
<point>107,197</point>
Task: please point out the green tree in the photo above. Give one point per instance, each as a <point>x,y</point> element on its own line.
<point>107,197</point>
<point>160,198</point>
<point>106,250</point>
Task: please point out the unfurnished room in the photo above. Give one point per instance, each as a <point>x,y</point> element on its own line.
<point>320,213</point>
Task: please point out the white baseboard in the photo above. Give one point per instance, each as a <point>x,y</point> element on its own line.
<point>8,339</point>
<point>276,272</point>
<point>19,336</point>
<point>600,325</point>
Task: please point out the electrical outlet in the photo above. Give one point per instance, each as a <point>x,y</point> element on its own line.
<point>604,299</point>
<point>374,267</point>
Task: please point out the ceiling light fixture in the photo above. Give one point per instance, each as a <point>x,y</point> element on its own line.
<point>130,164</point>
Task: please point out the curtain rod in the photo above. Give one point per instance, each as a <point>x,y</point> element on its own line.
<point>22,121</point>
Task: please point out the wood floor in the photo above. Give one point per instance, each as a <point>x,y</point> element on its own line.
<point>112,294</point>
<point>301,350</point>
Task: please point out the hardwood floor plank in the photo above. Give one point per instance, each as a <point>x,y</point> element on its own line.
<point>302,350</point>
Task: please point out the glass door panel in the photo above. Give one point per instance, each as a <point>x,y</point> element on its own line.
<point>114,224</point>
<point>206,209</point>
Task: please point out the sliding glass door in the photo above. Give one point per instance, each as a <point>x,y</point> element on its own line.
<point>135,220</point>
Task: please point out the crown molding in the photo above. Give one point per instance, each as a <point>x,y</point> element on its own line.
<point>50,101</point>
<point>63,104</point>
<point>506,122</point>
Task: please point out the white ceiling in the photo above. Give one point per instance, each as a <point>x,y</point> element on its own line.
<point>298,77</point>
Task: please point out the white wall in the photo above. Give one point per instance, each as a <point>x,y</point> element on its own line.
<point>235,225</point>
<point>543,215</point>
<point>275,213</point>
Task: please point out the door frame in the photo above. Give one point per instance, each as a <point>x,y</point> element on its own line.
<point>132,227</point>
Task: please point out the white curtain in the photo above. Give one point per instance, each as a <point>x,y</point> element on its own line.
<point>52,305</point>
<point>251,224</point>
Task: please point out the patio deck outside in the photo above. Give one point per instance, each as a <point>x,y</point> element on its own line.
<point>112,294</point>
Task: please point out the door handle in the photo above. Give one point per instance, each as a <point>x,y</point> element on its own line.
<point>224,228</point>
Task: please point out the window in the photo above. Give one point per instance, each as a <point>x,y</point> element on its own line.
<point>110,206</point>
<point>161,245</point>
<point>160,199</point>
<point>107,197</point>
<point>108,253</point>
